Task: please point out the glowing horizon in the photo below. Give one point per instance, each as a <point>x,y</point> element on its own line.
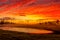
<point>49,9</point>
<point>30,9</point>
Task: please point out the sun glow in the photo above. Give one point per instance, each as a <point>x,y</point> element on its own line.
<point>28,19</point>
<point>32,17</point>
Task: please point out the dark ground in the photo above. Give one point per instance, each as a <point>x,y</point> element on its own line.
<point>10,35</point>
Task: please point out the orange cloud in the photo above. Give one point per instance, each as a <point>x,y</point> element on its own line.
<point>48,9</point>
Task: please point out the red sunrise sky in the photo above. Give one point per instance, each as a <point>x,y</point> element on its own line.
<point>49,9</point>
<point>46,8</point>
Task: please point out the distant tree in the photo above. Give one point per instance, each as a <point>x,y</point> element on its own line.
<point>40,23</point>
<point>50,22</point>
<point>2,22</point>
<point>57,21</point>
<point>45,22</point>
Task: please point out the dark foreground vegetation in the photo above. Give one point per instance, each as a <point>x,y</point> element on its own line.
<point>11,35</point>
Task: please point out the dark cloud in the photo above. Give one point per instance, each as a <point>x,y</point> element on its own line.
<point>44,2</point>
<point>9,2</point>
<point>47,1</point>
<point>29,2</point>
<point>56,0</point>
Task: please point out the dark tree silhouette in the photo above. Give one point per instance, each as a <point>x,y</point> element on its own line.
<point>57,21</point>
<point>50,22</point>
<point>2,22</point>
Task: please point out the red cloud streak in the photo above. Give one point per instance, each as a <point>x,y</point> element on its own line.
<point>30,7</point>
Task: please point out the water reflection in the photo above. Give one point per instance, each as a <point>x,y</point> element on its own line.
<point>26,30</point>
